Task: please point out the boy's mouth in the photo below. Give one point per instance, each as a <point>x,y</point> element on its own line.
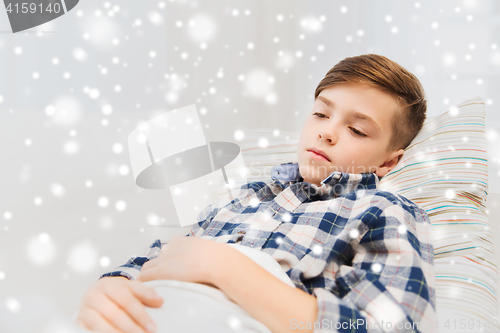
<point>319,154</point>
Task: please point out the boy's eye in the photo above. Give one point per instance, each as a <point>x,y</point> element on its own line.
<point>320,115</point>
<point>357,132</point>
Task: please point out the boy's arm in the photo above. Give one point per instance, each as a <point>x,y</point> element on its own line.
<point>266,298</point>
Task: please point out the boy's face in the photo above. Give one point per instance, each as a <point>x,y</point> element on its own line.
<point>339,125</point>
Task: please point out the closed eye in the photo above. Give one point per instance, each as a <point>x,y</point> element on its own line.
<point>319,114</point>
<point>355,131</point>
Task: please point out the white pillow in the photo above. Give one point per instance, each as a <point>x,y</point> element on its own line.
<point>445,171</point>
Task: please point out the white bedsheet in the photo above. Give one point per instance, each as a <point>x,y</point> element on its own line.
<point>188,308</point>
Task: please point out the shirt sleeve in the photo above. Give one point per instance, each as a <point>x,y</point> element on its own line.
<point>390,285</point>
<point>132,268</point>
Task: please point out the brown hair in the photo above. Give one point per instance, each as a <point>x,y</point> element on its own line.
<point>387,76</point>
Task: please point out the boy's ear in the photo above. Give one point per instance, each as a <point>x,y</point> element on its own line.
<point>390,163</point>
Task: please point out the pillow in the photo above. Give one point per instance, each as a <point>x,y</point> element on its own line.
<point>444,170</point>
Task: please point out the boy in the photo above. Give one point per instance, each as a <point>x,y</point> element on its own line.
<point>360,258</point>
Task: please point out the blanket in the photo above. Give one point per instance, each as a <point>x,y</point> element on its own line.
<point>188,307</point>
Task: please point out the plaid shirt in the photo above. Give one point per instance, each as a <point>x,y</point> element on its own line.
<point>365,254</point>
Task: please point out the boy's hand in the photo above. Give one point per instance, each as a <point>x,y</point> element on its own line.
<point>118,305</point>
<point>190,259</point>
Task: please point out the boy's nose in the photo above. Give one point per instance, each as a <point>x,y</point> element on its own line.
<point>330,130</point>
<point>330,137</point>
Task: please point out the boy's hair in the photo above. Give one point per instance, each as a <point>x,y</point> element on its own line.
<point>387,76</point>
